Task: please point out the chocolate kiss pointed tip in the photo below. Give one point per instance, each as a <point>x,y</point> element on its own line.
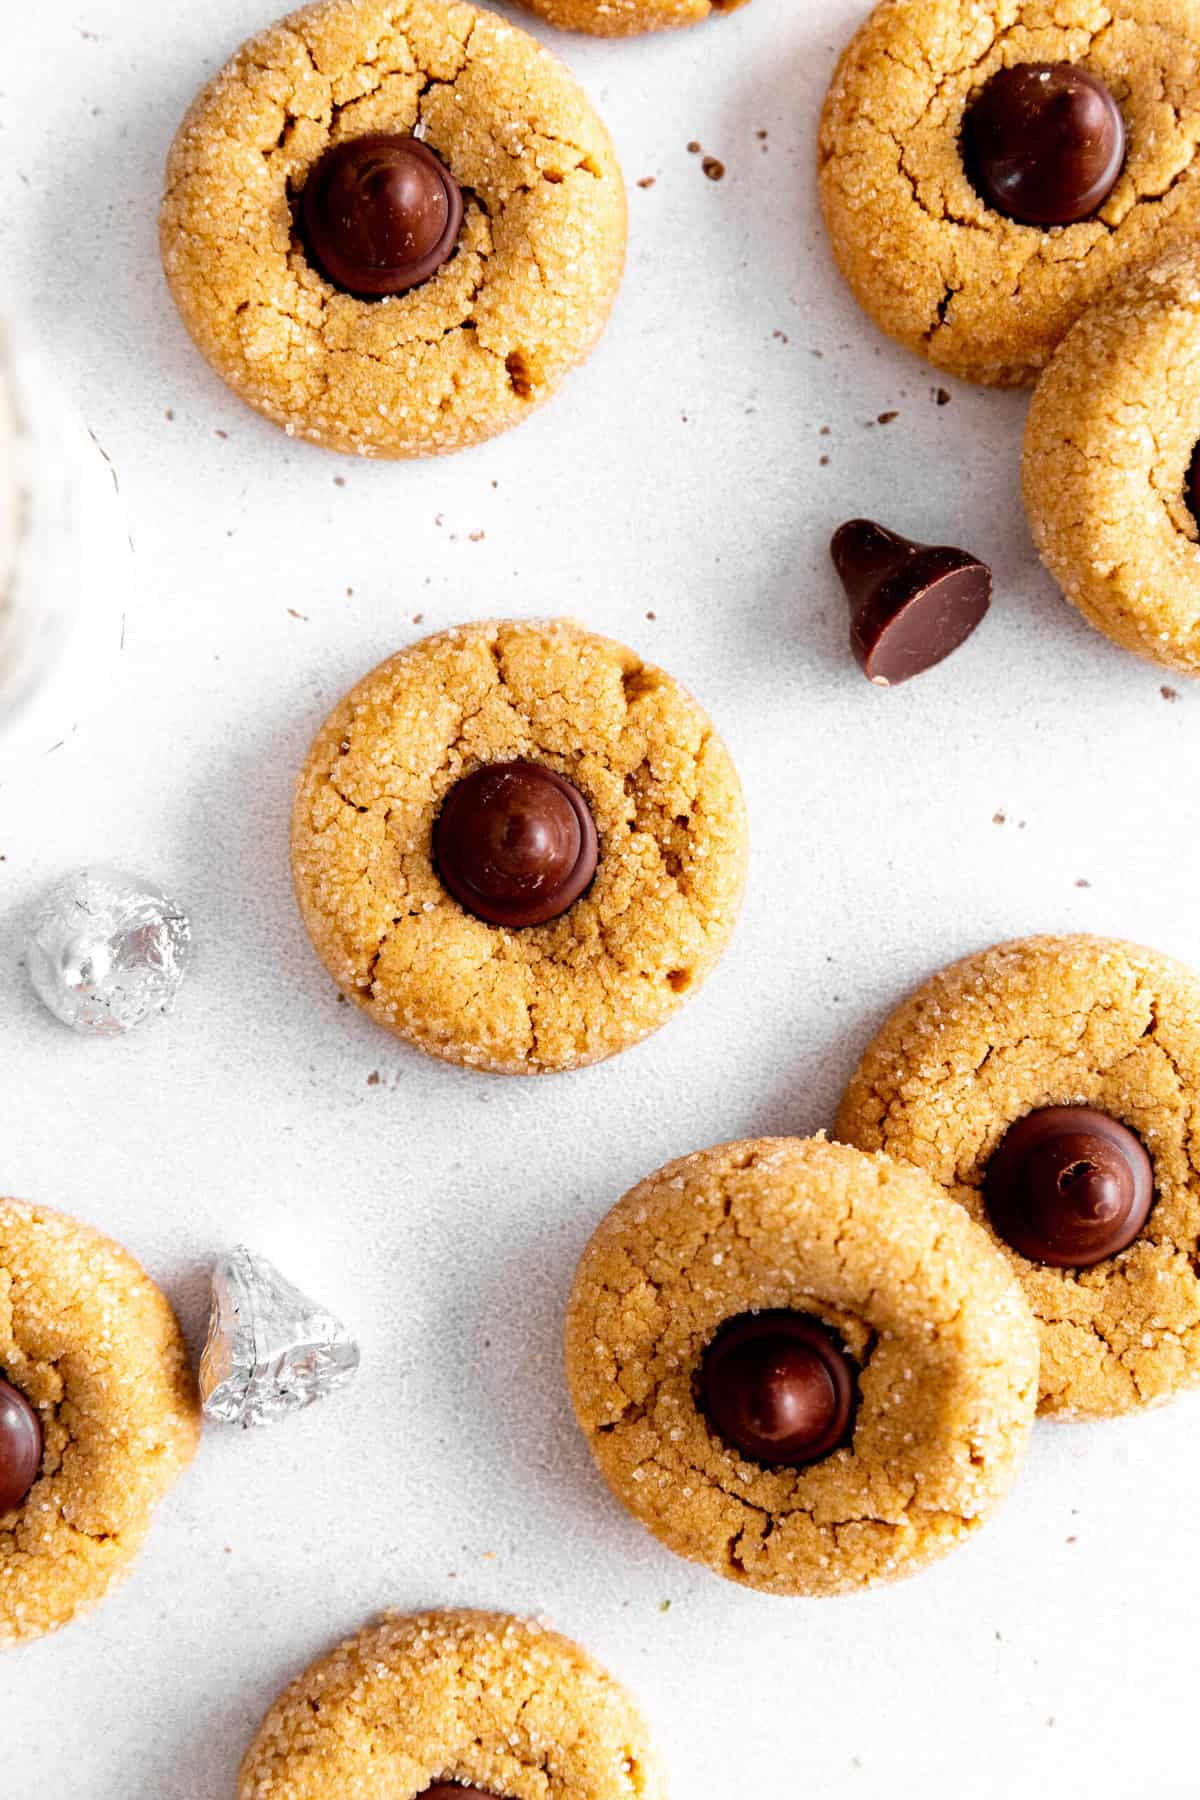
<point>911,604</point>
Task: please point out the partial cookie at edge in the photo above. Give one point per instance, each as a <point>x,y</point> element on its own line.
<point>1109,443</point>
<point>95,1348</point>
<point>500,1703</point>
<point>932,264</point>
<point>493,332</point>
<point>627,18</point>
<point>1060,1021</point>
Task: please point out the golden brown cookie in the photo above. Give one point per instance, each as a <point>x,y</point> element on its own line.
<point>486,337</point>
<point>627,18</point>
<point>1060,1022</point>
<point>413,1706</point>
<point>935,265</point>
<point>644,761</point>
<point>1110,444</point>
<point>92,1347</point>
<point>941,1348</point>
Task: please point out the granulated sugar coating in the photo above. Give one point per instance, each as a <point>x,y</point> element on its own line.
<point>661,788</point>
<point>927,257</point>
<point>945,1346</point>
<point>94,1347</point>
<point>496,1703</point>
<point>1067,1021</point>
<point>1109,446</point>
<point>492,333</point>
<point>626,18</point>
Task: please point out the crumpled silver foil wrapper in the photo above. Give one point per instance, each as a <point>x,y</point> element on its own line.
<point>106,949</point>
<point>271,1350</point>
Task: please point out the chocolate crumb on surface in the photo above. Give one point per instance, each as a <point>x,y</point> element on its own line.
<point>713,167</point>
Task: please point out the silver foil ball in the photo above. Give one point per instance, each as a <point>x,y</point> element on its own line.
<point>106,949</point>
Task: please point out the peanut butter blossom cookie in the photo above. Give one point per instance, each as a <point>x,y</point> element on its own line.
<point>800,1365</point>
<point>392,226</point>
<point>1111,469</point>
<point>626,18</point>
<point>1053,1085</point>
<point>519,847</point>
<point>453,1706</point>
<point>988,169</point>
<point>98,1415</point>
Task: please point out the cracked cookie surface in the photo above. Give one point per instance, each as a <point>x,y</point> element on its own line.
<point>1046,1022</point>
<point>668,810</point>
<point>933,265</point>
<point>945,1346</point>
<point>492,333</point>
<point>95,1348</point>
<point>627,18</point>
<point>482,1699</point>
<point>1109,443</point>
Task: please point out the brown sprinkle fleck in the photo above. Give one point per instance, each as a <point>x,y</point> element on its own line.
<point>647,181</point>
<point>713,168</point>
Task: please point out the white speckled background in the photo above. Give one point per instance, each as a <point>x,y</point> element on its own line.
<point>672,496</point>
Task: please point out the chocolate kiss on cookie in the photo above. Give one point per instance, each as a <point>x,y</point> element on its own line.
<point>20,1447</point>
<point>778,1387</point>
<point>1069,1186</point>
<point>1044,143</point>
<point>450,1790</point>
<point>515,844</point>
<point>380,214</point>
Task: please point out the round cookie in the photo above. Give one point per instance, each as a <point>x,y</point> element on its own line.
<point>93,1347</point>
<point>467,352</point>
<point>941,1342</point>
<point>1107,472</point>
<point>937,266</point>
<point>444,1702</point>
<point>627,18</point>
<point>645,762</point>
<point>1048,1022</point>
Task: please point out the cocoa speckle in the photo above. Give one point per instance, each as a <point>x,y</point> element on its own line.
<point>714,168</point>
<point>647,181</point>
<point>1169,693</point>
